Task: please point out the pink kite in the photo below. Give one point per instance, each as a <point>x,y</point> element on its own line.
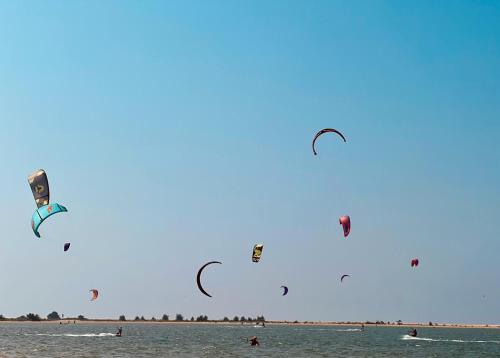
<point>345,221</point>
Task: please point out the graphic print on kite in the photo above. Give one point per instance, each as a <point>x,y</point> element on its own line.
<point>40,187</point>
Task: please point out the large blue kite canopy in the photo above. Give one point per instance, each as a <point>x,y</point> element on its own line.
<point>43,213</point>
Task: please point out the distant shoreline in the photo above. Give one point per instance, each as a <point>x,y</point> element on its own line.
<point>268,323</point>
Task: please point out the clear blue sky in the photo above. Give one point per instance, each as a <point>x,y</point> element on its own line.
<point>179,132</point>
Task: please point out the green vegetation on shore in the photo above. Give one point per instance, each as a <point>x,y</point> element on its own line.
<point>179,318</point>
<point>54,316</point>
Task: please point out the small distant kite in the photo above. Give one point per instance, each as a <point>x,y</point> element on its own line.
<point>66,246</point>
<point>198,277</point>
<point>285,290</point>
<point>95,294</point>
<point>345,221</point>
<point>326,130</point>
<point>257,252</point>
<point>40,187</point>
<point>414,262</point>
<point>344,276</point>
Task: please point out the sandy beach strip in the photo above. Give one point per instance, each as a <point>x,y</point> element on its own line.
<point>268,323</point>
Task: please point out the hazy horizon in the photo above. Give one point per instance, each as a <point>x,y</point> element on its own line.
<point>178,133</point>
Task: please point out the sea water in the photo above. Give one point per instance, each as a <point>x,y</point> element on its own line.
<point>230,340</point>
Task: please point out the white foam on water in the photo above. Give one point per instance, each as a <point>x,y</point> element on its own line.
<point>349,330</point>
<point>209,347</point>
<point>77,335</point>
<point>410,338</point>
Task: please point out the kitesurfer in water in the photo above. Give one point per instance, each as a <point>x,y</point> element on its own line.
<point>413,333</point>
<point>119,333</point>
<point>254,341</point>
<point>362,327</point>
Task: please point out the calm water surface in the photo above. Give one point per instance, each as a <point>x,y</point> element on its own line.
<point>190,340</point>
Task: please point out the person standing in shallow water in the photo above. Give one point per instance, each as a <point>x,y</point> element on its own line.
<point>254,341</point>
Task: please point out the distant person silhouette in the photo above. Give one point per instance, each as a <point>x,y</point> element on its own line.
<point>254,341</point>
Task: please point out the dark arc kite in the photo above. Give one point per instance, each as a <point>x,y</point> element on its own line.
<point>321,132</point>
<point>198,277</point>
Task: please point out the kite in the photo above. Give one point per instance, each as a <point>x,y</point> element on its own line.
<point>344,276</point>
<point>326,130</point>
<point>40,187</point>
<point>95,293</point>
<point>43,213</point>
<point>414,263</point>
<point>198,277</point>
<point>345,221</point>
<point>285,290</point>
<point>66,246</point>
<point>257,252</point>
